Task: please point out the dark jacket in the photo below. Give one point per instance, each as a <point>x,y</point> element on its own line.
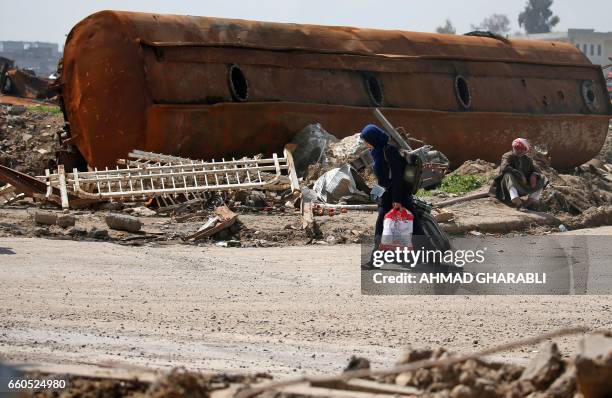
<point>390,175</point>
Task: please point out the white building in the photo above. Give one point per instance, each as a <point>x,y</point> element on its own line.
<point>597,46</point>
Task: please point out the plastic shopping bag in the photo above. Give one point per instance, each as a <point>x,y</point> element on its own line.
<point>397,230</point>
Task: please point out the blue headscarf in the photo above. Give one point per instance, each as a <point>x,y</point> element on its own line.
<point>375,136</point>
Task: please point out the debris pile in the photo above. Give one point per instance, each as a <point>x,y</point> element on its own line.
<point>329,157</point>
<point>167,176</point>
<point>170,196</point>
<point>434,373</point>
<point>28,139</point>
<point>581,199</point>
<point>477,167</point>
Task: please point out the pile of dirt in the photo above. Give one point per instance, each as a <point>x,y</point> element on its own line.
<point>28,139</point>
<point>178,383</point>
<point>548,374</point>
<point>477,167</point>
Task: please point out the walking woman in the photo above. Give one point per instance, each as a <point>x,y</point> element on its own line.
<point>389,168</point>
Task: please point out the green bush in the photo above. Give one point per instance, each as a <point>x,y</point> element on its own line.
<point>54,110</point>
<point>457,184</point>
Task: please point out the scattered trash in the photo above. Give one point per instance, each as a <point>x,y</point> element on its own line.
<point>225,219</point>
<point>229,243</point>
<point>443,215</point>
<point>342,184</point>
<point>142,211</point>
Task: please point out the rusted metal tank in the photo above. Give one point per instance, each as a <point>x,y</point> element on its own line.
<point>208,88</point>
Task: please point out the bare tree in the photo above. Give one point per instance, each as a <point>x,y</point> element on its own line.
<point>538,17</point>
<point>447,28</point>
<point>496,23</point>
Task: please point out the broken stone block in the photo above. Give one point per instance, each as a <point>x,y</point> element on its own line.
<point>66,220</point>
<point>76,232</point>
<point>544,368</point>
<point>461,391</point>
<point>594,366</point>
<point>564,386</point>
<point>45,218</point>
<point>123,222</point>
<point>96,233</point>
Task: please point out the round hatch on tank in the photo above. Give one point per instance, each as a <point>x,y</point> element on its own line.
<point>462,91</point>
<point>239,87</point>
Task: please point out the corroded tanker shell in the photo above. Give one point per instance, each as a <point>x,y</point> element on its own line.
<point>209,88</point>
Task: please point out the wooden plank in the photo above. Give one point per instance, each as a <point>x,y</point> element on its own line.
<point>310,391</point>
<point>210,231</point>
<point>295,184</point>
<point>225,213</point>
<point>62,187</point>
<point>48,181</point>
<point>467,198</point>
<point>370,386</point>
<point>94,371</point>
<point>228,218</point>
<point>308,220</point>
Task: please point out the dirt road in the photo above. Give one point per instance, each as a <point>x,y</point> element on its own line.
<point>284,310</point>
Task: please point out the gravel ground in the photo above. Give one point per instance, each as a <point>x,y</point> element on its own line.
<point>283,310</point>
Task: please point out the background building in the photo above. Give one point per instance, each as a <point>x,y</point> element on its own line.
<point>597,46</point>
<point>40,57</point>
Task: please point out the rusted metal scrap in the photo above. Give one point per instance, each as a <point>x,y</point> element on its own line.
<point>36,187</point>
<point>21,83</point>
<point>207,87</point>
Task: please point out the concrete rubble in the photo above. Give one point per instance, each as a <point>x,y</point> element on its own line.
<point>123,222</point>
<point>335,175</point>
<point>548,374</point>
<point>594,366</point>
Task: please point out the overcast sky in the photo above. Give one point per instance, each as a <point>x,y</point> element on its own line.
<point>46,20</point>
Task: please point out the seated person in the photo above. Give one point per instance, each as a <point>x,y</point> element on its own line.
<point>518,177</point>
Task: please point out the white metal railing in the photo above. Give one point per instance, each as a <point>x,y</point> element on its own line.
<point>149,174</point>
